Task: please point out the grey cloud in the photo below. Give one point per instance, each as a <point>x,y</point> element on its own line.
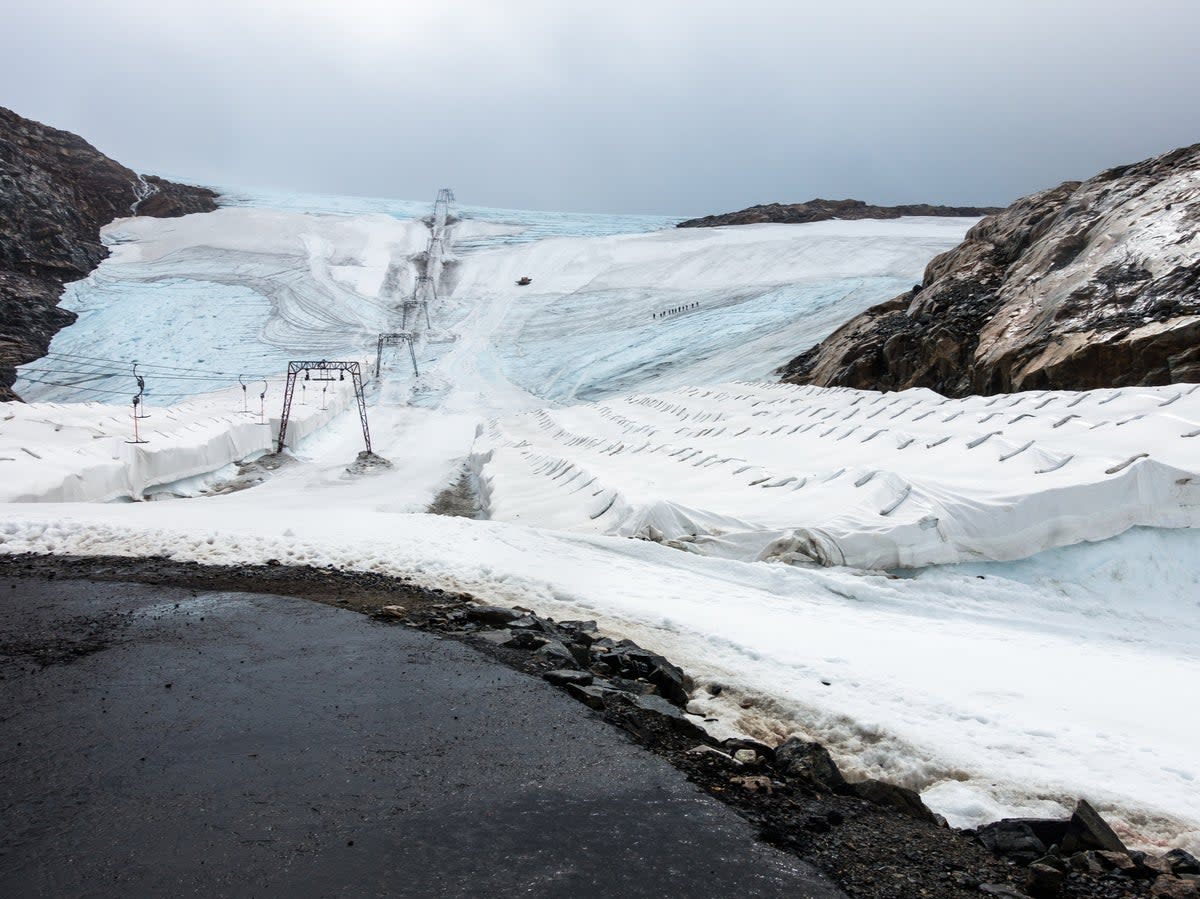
<point>667,106</point>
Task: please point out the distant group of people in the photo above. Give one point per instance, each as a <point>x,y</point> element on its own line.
<point>676,309</point>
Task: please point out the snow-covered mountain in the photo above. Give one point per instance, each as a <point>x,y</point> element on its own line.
<point>637,470</point>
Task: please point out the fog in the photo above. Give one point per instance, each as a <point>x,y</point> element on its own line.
<point>655,106</point>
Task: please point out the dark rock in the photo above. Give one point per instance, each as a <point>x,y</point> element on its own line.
<point>1049,830</point>
<point>809,762</point>
<point>632,661</point>
<point>1041,296</point>
<point>1054,861</point>
<point>560,677</point>
<point>900,798</point>
<point>499,637</point>
<point>493,614</point>
<point>557,653</point>
<point>1117,861</point>
<point>636,687</point>
<point>1012,838</point>
<point>56,192</point>
<point>1150,867</point>
<point>579,651</point>
<point>1043,881</point>
<point>527,623</point>
<point>581,631</point>
<point>1168,887</point>
<point>668,713</point>
<point>1088,863</point>
<point>527,640</point>
<point>1001,889</point>
<point>1182,862</point>
<point>1087,830</point>
<point>590,695</point>
<point>733,744</point>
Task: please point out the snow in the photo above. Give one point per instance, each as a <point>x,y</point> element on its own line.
<point>871,480</point>
<point>995,687</point>
<point>82,452</point>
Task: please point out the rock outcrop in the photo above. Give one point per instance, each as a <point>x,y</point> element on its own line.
<point>824,210</point>
<point>1085,285</point>
<point>56,192</point>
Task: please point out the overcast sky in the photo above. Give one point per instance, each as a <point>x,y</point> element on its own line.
<point>667,106</point>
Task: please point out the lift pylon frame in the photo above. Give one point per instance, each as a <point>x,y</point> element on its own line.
<point>323,365</point>
<point>396,339</point>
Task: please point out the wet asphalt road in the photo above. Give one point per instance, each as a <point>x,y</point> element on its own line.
<point>169,742</point>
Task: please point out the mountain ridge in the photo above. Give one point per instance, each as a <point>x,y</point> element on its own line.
<point>818,210</point>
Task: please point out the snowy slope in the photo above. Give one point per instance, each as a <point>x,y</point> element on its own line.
<point>994,687</point>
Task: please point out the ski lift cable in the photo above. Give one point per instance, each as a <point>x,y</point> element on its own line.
<point>103,390</point>
<point>80,359</point>
<point>114,372</point>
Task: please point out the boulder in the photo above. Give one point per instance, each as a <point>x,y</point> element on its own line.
<point>559,654</point>
<point>1182,862</point>
<point>1049,830</point>
<point>732,744</point>
<point>1043,881</point>
<point>493,615</point>
<point>591,695</point>
<point>1117,861</point>
<point>1087,863</point>
<point>627,659</point>
<point>666,712</point>
<point>808,762</point>
<point>1012,838</point>
<point>560,677</point>
<point>523,639</point>
<point>1168,887</point>
<point>1087,830</point>
<point>899,798</point>
<point>581,631</point>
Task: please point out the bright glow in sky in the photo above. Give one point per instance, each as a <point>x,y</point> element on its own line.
<point>671,106</point>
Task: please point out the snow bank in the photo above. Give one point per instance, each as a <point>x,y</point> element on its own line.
<point>847,477</point>
<point>53,453</point>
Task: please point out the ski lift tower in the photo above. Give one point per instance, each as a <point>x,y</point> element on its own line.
<point>397,339</point>
<point>324,370</point>
<point>441,209</point>
<point>424,291</point>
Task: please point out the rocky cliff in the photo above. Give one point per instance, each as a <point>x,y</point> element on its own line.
<point>56,192</point>
<point>823,210</point>
<point>1085,285</point>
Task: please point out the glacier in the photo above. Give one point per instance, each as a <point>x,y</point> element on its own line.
<point>993,600</point>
